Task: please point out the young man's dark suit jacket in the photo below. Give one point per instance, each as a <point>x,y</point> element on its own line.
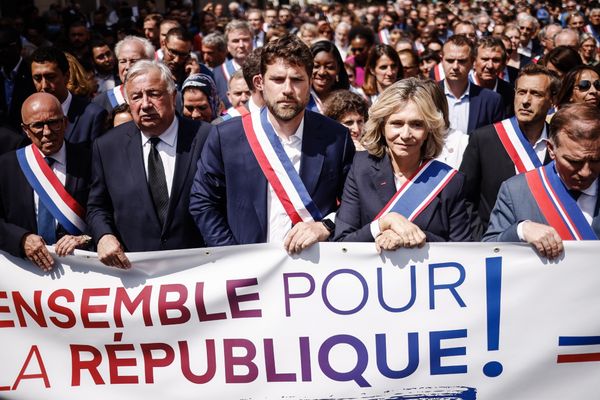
<point>370,186</point>
<point>486,165</point>
<point>229,195</point>
<point>17,207</point>
<point>120,202</point>
<point>86,121</point>
<point>485,107</point>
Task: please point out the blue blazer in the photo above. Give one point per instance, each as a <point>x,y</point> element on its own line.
<point>120,202</point>
<point>86,121</point>
<point>229,194</point>
<point>516,204</point>
<point>222,85</point>
<point>369,187</point>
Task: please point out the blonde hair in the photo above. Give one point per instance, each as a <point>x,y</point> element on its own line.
<point>81,82</point>
<point>389,102</point>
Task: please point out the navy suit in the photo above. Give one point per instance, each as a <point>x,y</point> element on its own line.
<point>120,202</point>
<point>485,107</point>
<point>486,165</point>
<point>222,84</point>
<point>86,121</point>
<point>229,195</point>
<point>369,187</point>
<point>17,207</point>
<point>516,204</point>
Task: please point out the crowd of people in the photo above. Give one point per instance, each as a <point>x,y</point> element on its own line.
<point>400,124</point>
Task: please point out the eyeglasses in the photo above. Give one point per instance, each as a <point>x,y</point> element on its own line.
<point>584,85</point>
<point>38,127</point>
<point>175,53</point>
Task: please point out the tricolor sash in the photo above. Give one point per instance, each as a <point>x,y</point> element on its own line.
<point>384,36</point>
<point>314,103</point>
<point>116,96</point>
<point>278,168</point>
<point>589,29</point>
<point>556,204</point>
<point>516,145</point>
<point>233,112</point>
<point>416,193</point>
<point>228,69</point>
<point>63,207</point>
<point>438,72</point>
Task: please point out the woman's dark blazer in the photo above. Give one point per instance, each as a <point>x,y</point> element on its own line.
<point>370,185</point>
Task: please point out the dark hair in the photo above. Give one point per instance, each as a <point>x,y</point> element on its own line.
<point>97,42</point>
<point>378,51</point>
<point>10,36</point>
<point>324,45</point>
<point>461,41</point>
<point>564,58</point>
<point>362,32</point>
<point>569,81</point>
<point>251,67</point>
<point>429,55</point>
<point>289,48</point>
<point>51,55</point>
<point>490,42</point>
<point>180,34</point>
<point>579,121</point>
<point>342,102</point>
<point>537,69</point>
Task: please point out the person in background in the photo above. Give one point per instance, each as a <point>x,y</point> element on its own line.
<point>403,135</point>
<point>328,74</point>
<point>561,60</point>
<point>105,71</point>
<point>81,82</point>
<point>588,49</point>
<point>351,110</point>
<point>214,50</point>
<point>410,63</point>
<point>200,98</point>
<point>121,114</point>
<point>152,28</point>
<point>580,85</point>
<point>383,68</point>
<point>238,92</point>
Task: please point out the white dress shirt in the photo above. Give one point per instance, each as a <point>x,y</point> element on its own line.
<point>167,148</point>
<point>279,221</point>
<point>59,168</point>
<point>458,108</point>
<point>67,103</point>
<point>539,147</point>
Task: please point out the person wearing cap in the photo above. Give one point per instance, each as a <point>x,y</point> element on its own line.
<point>200,98</point>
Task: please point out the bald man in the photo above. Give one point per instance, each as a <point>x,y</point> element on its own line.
<point>29,214</point>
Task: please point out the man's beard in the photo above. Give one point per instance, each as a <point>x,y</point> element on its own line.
<point>284,112</point>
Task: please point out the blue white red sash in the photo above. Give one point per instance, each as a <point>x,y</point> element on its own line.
<point>416,193</point>
<point>438,72</point>
<point>556,204</point>
<point>233,112</point>
<point>384,36</point>
<point>588,28</point>
<point>116,96</point>
<point>314,103</point>
<point>516,145</point>
<point>278,168</point>
<point>63,207</point>
<point>228,69</point>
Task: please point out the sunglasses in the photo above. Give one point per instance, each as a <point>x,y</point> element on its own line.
<point>584,85</point>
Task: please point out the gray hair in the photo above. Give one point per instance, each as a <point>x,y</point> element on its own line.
<point>142,67</point>
<point>216,40</point>
<point>237,25</point>
<point>145,43</point>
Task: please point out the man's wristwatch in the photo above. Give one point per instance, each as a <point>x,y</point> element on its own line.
<point>329,225</point>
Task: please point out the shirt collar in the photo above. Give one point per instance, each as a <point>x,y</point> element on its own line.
<point>168,136</point>
<point>465,93</point>
<point>592,190</point>
<point>543,136</point>
<point>60,156</point>
<point>296,136</point>
<point>67,103</point>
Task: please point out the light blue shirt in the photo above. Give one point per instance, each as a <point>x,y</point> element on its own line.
<point>458,109</point>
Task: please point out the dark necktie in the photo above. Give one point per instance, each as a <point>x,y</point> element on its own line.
<point>45,220</point>
<point>158,182</point>
<point>574,193</point>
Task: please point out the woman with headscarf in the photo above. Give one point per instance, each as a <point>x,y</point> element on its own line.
<point>200,98</point>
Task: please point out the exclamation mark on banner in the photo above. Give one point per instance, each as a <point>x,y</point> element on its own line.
<point>493,278</point>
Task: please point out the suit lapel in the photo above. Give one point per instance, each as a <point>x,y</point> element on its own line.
<point>185,137</point>
<point>383,179</point>
<point>311,161</point>
<point>73,117</point>
<point>474,107</point>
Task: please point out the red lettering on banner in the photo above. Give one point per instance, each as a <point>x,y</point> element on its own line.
<point>87,308</point>
<point>151,362</point>
<point>122,299</point>
<point>61,310</point>
<point>4,309</point>
<point>21,304</point>
<point>272,374</point>
<point>231,361</point>
<point>235,299</point>
<point>201,307</point>
<point>41,375</point>
<point>114,362</point>
<point>211,363</point>
<point>179,304</point>
<point>77,364</point>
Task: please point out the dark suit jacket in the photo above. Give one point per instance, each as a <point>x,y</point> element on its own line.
<point>507,92</point>
<point>11,140</point>
<point>222,85</point>
<point>120,202</point>
<point>369,187</point>
<point>23,89</point>
<point>17,207</point>
<point>486,164</point>
<point>86,121</point>
<point>485,107</point>
<point>229,195</point>
<point>516,204</point>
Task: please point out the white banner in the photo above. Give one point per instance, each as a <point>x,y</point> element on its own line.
<point>452,321</point>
